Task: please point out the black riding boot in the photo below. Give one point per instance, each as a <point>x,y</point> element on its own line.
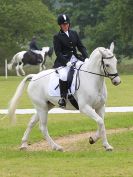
<point>63,91</point>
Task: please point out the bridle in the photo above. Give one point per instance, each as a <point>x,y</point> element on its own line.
<point>106,73</point>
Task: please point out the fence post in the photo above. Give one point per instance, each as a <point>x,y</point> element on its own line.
<point>6,68</point>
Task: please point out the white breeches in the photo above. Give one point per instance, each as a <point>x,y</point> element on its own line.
<point>63,71</point>
<point>37,51</point>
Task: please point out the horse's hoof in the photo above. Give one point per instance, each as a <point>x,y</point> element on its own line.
<point>91,141</point>
<point>23,148</point>
<point>58,148</point>
<point>108,148</point>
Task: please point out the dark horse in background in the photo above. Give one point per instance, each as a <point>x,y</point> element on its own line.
<point>24,58</point>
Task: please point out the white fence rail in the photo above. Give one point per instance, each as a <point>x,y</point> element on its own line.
<point>62,111</point>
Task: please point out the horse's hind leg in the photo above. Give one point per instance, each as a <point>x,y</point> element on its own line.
<point>33,121</point>
<point>21,68</point>
<point>17,70</point>
<point>43,127</point>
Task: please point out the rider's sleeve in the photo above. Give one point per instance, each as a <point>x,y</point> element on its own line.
<point>81,47</point>
<point>58,51</point>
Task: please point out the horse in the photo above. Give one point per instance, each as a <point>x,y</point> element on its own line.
<point>91,95</point>
<point>29,58</point>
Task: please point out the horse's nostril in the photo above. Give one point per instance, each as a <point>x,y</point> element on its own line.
<point>116,83</point>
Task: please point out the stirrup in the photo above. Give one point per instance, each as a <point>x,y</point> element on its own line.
<point>62,103</point>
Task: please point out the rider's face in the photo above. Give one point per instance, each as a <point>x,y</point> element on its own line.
<point>64,27</point>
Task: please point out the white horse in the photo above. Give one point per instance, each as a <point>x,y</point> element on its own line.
<point>90,95</point>
<point>19,60</point>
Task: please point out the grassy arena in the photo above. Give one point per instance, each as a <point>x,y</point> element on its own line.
<point>83,159</point>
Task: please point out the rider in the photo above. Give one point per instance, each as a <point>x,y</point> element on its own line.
<point>33,46</point>
<point>66,42</point>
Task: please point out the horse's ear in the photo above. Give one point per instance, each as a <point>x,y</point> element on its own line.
<point>112,46</point>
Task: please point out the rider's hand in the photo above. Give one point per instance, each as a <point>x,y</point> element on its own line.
<point>69,64</point>
<point>87,59</point>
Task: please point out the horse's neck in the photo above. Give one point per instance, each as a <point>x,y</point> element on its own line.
<point>93,67</point>
<point>93,64</point>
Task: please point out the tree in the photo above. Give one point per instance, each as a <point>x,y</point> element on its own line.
<point>20,20</point>
<point>116,26</point>
<point>84,13</point>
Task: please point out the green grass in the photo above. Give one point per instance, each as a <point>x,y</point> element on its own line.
<point>126,66</point>
<point>86,160</point>
<point>7,89</point>
<point>117,96</point>
<point>122,94</point>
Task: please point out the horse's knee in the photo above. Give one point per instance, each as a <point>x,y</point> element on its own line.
<point>42,128</point>
<point>100,122</point>
<point>31,124</point>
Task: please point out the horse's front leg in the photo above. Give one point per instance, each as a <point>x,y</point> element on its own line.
<point>100,121</point>
<point>40,67</point>
<point>100,111</point>
<point>33,121</point>
<point>43,66</point>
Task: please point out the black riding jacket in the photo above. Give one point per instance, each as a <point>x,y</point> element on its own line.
<point>33,45</point>
<point>65,47</point>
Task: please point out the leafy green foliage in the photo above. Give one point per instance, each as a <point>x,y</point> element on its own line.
<point>103,21</point>
<point>20,20</point>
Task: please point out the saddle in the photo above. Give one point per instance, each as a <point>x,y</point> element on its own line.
<point>54,90</point>
<point>32,58</point>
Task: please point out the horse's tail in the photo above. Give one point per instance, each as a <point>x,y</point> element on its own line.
<point>15,99</point>
<point>9,66</point>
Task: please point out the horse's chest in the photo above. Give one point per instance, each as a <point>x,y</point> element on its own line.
<point>99,100</point>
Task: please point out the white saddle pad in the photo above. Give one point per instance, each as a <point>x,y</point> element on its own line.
<point>53,87</point>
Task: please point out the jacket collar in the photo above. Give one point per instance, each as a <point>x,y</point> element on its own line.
<point>62,32</point>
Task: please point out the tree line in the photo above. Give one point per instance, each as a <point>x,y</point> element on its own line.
<point>20,21</point>
<point>99,22</point>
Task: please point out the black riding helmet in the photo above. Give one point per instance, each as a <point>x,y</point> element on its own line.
<point>63,18</point>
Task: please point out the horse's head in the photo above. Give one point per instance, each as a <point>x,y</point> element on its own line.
<point>48,51</point>
<point>45,49</point>
<point>109,64</point>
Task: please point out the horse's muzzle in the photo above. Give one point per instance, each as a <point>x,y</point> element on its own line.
<point>116,81</point>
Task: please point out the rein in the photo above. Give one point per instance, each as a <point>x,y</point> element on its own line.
<point>106,74</point>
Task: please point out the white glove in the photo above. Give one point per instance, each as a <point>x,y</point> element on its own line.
<point>87,59</point>
<point>69,64</point>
